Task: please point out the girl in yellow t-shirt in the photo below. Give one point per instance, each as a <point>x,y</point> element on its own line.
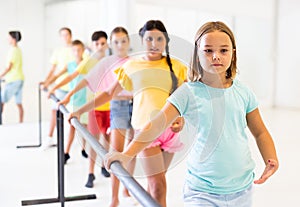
<point>13,74</point>
<point>151,77</point>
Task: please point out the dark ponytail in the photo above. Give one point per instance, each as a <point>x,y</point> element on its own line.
<point>174,78</point>
<point>157,24</point>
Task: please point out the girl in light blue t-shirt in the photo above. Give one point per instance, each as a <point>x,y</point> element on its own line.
<point>217,108</point>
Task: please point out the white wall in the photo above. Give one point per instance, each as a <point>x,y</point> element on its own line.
<point>81,18</point>
<point>252,29</point>
<point>252,22</point>
<point>288,56</point>
<point>267,50</point>
<point>18,15</point>
<point>28,17</point>
<point>84,17</point>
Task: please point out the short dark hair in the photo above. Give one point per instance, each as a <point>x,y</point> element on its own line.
<point>98,34</point>
<point>16,35</point>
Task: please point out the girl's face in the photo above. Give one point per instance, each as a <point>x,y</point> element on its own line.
<point>155,44</point>
<point>215,52</point>
<point>100,45</point>
<point>119,44</point>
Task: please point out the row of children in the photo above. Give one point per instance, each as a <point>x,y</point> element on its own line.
<point>213,102</point>
<point>111,120</point>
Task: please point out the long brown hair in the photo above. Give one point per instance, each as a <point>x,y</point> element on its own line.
<point>196,71</point>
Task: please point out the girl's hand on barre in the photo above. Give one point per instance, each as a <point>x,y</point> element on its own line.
<point>116,156</point>
<point>65,101</point>
<point>49,93</point>
<point>177,125</point>
<point>74,114</point>
<point>42,86</point>
<point>270,169</point>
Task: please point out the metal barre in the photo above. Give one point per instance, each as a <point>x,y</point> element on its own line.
<point>117,169</point>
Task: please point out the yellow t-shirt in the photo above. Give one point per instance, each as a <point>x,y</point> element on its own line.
<point>15,57</point>
<point>150,82</point>
<point>61,57</point>
<point>87,64</point>
<point>84,68</point>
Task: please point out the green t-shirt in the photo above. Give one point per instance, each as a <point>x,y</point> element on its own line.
<point>220,159</point>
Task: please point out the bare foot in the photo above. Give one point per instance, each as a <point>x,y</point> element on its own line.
<point>126,193</point>
<point>114,203</point>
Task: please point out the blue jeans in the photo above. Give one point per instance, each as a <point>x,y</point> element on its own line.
<point>120,114</point>
<point>194,198</point>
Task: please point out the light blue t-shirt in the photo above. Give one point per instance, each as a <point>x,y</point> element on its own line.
<point>220,160</point>
<point>79,98</point>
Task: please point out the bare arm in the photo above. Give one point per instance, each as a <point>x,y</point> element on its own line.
<point>54,77</point>
<point>152,130</point>
<point>146,136</point>
<point>101,99</point>
<point>6,70</point>
<point>64,81</point>
<point>265,144</point>
<point>82,84</point>
<point>50,74</point>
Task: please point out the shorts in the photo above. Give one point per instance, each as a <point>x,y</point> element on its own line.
<point>60,94</point>
<point>168,141</point>
<point>194,198</point>
<point>98,122</point>
<point>13,89</point>
<point>120,114</point>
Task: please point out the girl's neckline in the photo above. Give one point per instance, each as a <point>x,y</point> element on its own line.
<point>143,59</point>
<point>124,57</point>
<point>215,88</point>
